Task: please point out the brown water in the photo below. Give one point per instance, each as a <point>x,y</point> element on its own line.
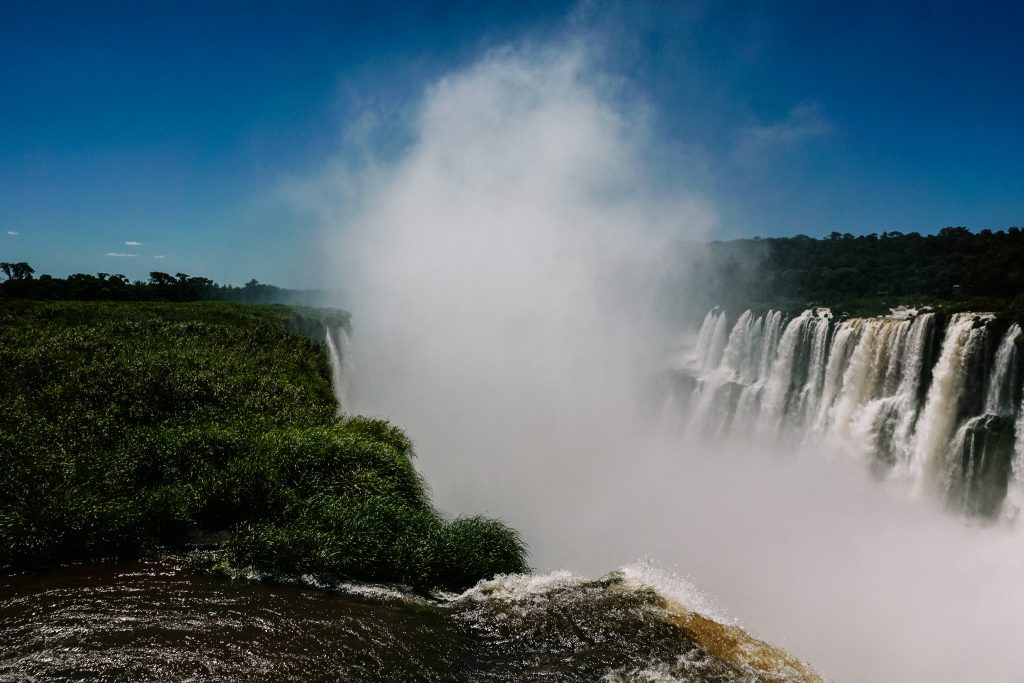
<point>171,620</point>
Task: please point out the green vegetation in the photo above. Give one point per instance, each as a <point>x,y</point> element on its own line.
<point>21,283</point>
<point>127,427</point>
<point>952,270</point>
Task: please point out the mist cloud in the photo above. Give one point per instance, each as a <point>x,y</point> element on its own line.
<point>499,274</point>
<point>504,274</point>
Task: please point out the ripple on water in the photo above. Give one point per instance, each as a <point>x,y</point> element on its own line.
<point>166,620</point>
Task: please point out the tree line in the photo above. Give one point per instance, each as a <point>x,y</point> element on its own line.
<point>867,273</point>
<point>21,283</point>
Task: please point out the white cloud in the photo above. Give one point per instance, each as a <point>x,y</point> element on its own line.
<point>159,256</point>
<point>13,232</point>
<point>120,254</point>
<point>131,243</point>
<point>803,122</point>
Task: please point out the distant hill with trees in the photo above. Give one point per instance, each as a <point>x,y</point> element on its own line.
<point>21,283</point>
<point>861,275</point>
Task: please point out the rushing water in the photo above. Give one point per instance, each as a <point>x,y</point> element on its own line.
<point>339,350</point>
<point>931,401</point>
<point>170,620</point>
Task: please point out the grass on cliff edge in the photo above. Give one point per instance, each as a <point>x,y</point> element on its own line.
<point>128,427</point>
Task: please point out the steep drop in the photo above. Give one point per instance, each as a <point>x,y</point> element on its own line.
<point>919,397</point>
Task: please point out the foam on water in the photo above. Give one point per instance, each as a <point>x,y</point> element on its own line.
<point>520,588</point>
<point>646,573</point>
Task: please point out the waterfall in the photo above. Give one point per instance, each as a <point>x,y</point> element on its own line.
<point>904,409</point>
<point>877,391</point>
<point>783,373</point>
<point>817,363</point>
<point>999,393</point>
<point>736,350</point>
<point>844,341</point>
<point>1015,493</point>
<point>716,343</point>
<point>340,353</point>
<point>943,415</point>
<point>347,368</point>
<point>933,458</point>
<point>707,330</point>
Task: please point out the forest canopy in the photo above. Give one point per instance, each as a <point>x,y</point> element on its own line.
<point>863,274</point>
<point>21,283</point>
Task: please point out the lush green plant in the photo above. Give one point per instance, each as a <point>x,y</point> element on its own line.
<point>130,426</point>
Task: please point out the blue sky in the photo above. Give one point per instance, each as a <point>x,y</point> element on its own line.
<point>177,125</point>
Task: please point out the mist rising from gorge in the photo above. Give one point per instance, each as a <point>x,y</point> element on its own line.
<point>505,275</point>
<point>508,277</point>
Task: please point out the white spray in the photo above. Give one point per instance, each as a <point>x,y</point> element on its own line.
<point>499,272</point>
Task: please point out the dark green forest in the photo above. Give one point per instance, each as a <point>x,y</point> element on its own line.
<point>131,427</point>
<point>863,275</point>
<point>21,282</point>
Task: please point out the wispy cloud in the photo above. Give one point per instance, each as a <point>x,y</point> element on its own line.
<point>803,122</point>
<point>121,254</point>
<point>159,256</point>
<point>131,243</point>
<point>13,232</point>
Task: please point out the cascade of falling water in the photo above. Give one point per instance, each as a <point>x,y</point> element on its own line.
<point>866,409</point>
<point>859,385</point>
<point>730,387</point>
<point>751,369</point>
<point>931,464</point>
<point>765,334</point>
<point>772,332</point>
<point>810,393</point>
<point>780,380</point>
<point>738,346</point>
<point>707,330</point>
<point>844,341</point>
<point>1015,490</point>
<point>999,392</point>
<point>914,355</point>
<point>1018,450</point>
<point>978,473</point>
<point>894,356</point>
<point>341,376</point>
<point>716,347</point>
<point>714,394</point>
<point>907,403</point>
<point>856,379</point>
<point>347,368</point>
